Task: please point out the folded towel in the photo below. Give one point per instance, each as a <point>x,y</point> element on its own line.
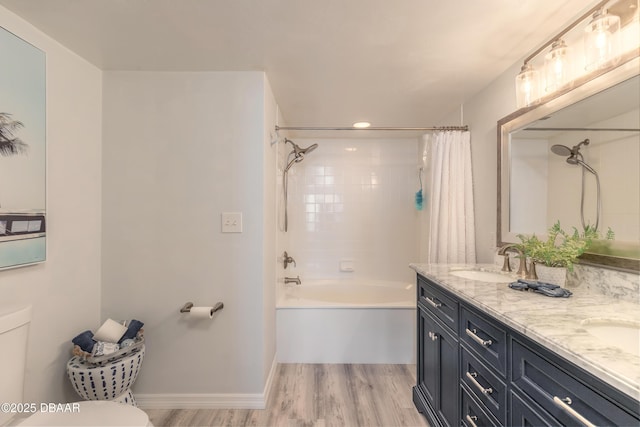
<point>543,288</point>
<point>132,330</point>
<point>535,283</point>
<point>85,341</point>
<point>103,348</point>
<point>110,331</point>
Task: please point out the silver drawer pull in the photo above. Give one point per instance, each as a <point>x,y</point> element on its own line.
<point>433,336</point>
<point>472,334</point>
<point>432,302</point>
<point>471,420</point>
<point>564,404</point>
<point>472,377</point>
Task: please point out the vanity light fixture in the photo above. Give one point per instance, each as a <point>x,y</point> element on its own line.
<point>527,86</point>
<point>361,125</point>
<point>601,30</point>
<point>557,66</point>
<point>601,40</point>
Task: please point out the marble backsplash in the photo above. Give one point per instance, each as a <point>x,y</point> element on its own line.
<point>613,283</point>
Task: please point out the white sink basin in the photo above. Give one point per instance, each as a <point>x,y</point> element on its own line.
<point>482,276</point>
<point>620,333</point>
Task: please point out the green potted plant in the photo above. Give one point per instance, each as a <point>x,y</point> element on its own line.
<point>551,258</point>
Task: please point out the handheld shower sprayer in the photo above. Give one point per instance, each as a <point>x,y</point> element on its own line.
<point>575,157</point>
<point>298,156</point>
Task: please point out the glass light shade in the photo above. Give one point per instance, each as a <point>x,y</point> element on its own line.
<point>601,40</point>
<point>557,66</point>
<point>527,86</point>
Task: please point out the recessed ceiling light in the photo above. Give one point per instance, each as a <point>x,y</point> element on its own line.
<point>361,125</point>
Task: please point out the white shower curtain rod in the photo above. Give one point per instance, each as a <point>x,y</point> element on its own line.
<point>432,128</point>
<point>587,129</point>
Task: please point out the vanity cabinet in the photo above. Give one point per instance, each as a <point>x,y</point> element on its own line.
<point>437,367</point>
<point>474,370</point>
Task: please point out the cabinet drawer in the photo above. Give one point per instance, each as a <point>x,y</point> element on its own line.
<point>487,387</point>
<point>525,413</point>
<point>564,396</point>
<point>486,338</point>
<point>437,302</point>
<point>472,413</point>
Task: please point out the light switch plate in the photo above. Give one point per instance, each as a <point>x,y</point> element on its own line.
<point>232,222</point>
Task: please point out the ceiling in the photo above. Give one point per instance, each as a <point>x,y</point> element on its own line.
<point>329,62</point>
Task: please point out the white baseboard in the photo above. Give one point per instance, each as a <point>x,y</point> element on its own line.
<point>269,382</point>
<point>208,400</point>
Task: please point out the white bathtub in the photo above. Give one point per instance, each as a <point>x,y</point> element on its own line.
<point>347,322</point>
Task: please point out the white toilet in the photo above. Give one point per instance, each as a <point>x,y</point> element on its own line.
<point>14,331</point>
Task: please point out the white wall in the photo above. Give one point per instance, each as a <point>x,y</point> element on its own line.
<point>353,199</point>
<point>269,258</point>
<point>65,290</point>
<point>528,186</point>
<point>179,149</point>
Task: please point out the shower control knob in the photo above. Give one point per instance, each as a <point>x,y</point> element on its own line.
<point>288,260</point>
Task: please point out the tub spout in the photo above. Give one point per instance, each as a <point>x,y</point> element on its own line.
<point>295,280</point>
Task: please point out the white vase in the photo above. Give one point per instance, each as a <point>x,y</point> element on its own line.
<point>554,275</point>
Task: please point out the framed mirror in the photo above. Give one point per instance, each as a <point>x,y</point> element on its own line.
<point>575,158</point>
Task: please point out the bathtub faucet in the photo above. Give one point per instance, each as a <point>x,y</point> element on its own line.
<point>288,260</point>
<point>295,280</point>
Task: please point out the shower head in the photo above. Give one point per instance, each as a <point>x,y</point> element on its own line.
<point>298,153</point>
<point>309,149</point>
<point>573,159</point>
<point>561,150</point>
<point>574,155</point>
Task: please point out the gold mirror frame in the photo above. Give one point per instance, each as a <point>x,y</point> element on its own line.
<point>588,85</point>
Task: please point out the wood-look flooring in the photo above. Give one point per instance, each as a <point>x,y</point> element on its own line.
<point>318,395</point>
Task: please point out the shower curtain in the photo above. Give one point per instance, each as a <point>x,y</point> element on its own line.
<point>451,230</point>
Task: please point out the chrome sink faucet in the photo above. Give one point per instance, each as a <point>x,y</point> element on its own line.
<point>513,247</point>
<point>295,280</point>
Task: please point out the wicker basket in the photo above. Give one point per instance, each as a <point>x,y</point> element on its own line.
<point>112,357</point>
<point>107,377</point>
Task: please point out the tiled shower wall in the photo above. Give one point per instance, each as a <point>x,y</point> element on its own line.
<point>351,205</point>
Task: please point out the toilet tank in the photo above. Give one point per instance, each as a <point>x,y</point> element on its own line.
<point>14,331</point>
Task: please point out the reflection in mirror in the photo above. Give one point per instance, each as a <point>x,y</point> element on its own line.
<point>579,164</point>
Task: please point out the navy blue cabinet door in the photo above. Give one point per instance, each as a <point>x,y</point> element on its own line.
<point>439,369</point>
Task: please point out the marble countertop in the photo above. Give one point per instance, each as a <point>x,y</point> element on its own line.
<point>555,323</point>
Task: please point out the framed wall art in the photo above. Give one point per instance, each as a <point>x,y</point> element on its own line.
<point>23,222</point>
